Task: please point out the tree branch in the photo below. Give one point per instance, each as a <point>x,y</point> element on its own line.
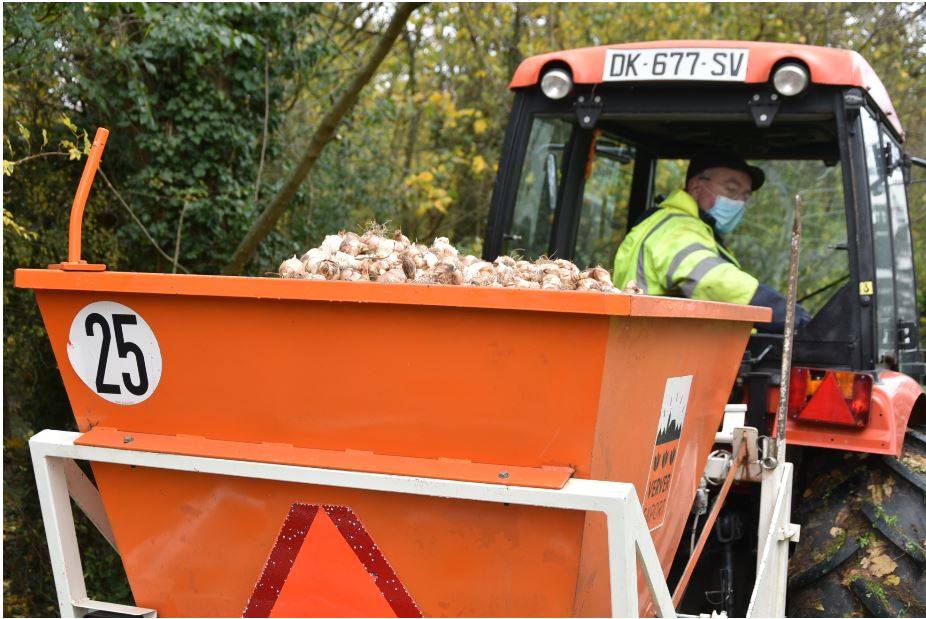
<point>138,222</point>
<point>263,143</point>
<point>37,155</point>
<point>179,234</point>
<point>323,134</point>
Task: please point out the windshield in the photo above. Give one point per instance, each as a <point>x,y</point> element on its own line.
<point>585,182</point>
<point>762,242</point>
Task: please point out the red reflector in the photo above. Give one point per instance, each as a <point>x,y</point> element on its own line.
<point>839,398</point>
<point>797,391</point>
<point>860,404</point>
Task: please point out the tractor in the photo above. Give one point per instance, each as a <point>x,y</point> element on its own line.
<point>598,136</point>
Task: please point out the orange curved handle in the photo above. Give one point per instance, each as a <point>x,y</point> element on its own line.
<point>83,191</point>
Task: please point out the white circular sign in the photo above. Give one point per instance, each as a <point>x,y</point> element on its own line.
<point>114,352</point>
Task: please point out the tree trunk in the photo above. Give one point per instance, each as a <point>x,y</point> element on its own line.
<point>411,43</point>
<point>514,54</point>
<point>323,134</point>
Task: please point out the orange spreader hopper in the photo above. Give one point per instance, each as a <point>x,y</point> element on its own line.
<point>498,386</point>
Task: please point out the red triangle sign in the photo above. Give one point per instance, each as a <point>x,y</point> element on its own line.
<point>828,404</point>
<point>325,564</point>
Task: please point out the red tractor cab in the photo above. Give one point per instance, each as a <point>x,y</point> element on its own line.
<point>598,136</point>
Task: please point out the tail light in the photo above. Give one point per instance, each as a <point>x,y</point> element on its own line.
<point>838,398</point>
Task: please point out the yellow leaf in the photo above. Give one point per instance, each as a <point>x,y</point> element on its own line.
<point>478,164</point>
<point>877,495</point>
<point>71,148</point>
<point>44,138</point>
<point>10,223</point>
<point>426,177</point>
<point>64,120</point>
<point>479,126</point>
<point>8,167</point>
<point>882,564</point>
<point>435,98</point>
<point>888,487</point>
<point>892,580</point>
<point>23,131</point>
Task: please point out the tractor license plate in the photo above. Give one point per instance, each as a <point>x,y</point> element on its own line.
<point>716,64</point>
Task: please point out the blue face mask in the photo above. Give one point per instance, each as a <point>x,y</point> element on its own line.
<point>727,213</point>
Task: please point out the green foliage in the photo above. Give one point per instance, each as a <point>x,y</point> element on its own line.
<point>181,87</point>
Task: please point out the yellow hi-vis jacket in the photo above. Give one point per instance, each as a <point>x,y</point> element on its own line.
<point>674,253</point>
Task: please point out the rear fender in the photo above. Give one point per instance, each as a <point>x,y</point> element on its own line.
<point>894,398</point>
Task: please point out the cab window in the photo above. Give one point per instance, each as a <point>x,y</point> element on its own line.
<point>603,208</point>
<point>762,241</point>
<point>883,242</point>
<point>538,188</point>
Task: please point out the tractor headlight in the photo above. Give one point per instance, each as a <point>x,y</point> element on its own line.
<point>556,83</point>
<point>790,79</point>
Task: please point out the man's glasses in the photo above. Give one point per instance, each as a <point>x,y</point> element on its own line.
<point>730,190</point>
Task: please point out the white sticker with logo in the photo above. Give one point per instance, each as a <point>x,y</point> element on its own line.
<point>665,451</point>
<point>115,352</point>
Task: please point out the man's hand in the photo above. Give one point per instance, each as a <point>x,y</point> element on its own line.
<point>766,296</point>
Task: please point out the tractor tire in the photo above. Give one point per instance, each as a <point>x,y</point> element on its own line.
<point>862,551</point>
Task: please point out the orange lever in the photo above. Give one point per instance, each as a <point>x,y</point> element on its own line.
<point>74,262</point>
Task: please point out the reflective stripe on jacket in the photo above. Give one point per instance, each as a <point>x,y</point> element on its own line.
<point>674,253</point>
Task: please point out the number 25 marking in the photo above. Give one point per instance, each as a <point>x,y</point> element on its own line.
<point>123,348</point>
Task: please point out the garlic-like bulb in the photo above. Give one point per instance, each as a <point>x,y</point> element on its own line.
<point>346,261</point>
<point>587,283</point>
<point>430,259</point>
<point>632,288</point>
<point>409,266</point>
<point>393,276</point>
<point>447,273</point>
<point>401,240</point>
<point>443,248</point>
<point>292,268</point>
<point>332,243</point>
<point>328,269</point>
<point>381,255</point>
<point>551,281</point>
<point>601,275</point>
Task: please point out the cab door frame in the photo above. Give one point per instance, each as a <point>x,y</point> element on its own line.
<point>527,106</point>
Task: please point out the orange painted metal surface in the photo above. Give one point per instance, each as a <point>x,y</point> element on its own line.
<point>827,65</point>
<point>892,398</point>
<point>349,460</point>
<point>371,292</point>
<point>525,378</point>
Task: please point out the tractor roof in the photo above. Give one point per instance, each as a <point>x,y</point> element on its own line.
<point>827,65</point>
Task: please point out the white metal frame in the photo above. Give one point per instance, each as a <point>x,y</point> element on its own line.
<point>53,451</point>
<point>58,478</point>
<point>769,593</point>
<point>776,530</point>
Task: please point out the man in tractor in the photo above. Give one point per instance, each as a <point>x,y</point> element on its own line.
<point>677,248</point>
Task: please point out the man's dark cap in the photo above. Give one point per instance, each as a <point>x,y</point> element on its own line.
<point>701,163</point>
